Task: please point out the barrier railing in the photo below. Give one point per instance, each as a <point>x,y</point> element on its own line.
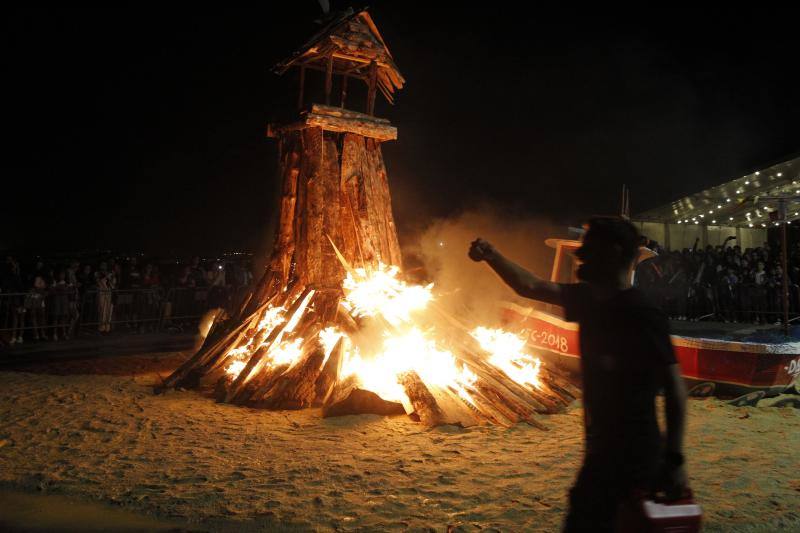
<point>744,303</point>
<point>61,313</point>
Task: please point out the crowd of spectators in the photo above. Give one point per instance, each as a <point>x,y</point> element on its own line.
<point>721,283</point>
<point>46,299</point>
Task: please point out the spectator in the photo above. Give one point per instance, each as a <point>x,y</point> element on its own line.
<point>35,307</point>
<point>60,306</point>
<point>13,299</point>
<point>105,281</point>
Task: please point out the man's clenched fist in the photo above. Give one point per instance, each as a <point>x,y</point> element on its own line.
<point>480,250</point>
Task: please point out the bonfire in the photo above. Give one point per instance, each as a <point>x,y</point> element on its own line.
<point>333,322</point>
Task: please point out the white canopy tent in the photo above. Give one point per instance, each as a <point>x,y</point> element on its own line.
<point>738,207</point>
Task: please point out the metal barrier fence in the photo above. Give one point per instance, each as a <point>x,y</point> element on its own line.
<point>745,303</point>
<point>62,313</point>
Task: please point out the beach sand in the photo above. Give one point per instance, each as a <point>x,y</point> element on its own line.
<point>183,458</point>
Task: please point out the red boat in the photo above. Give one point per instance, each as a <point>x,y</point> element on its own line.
<point>737,361</point>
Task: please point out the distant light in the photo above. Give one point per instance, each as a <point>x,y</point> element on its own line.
<point>757,173</point>
<point>719,207</point>
<point>701,215</point>
<point>727,199</point>
<point>796,213</point>
<point>747,215</point>
<point>738,191</point>
<point>441,243</point>
<point>780,174</point>
<point>751,225</point>
<point>680,221</point>
<point>713,221</point>
<point>696,221</point>
<point>687,220</point>
<point>710,211</point>
<point>730,218</point>
<point>747,182</point>
<point>777,224</point>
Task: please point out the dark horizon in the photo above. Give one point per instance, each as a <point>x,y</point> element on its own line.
<point>146,131</point>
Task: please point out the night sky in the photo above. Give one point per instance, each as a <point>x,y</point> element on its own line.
<point>144,129</point>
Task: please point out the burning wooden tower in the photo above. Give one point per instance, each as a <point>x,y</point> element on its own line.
<point>331,323</point>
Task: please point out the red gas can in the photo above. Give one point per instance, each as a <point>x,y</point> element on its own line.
<point>654,515</point>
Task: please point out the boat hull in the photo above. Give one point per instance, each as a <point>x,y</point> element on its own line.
<point>734,367</point>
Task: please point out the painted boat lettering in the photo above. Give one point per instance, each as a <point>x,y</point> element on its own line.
<point>794,368</point>
<point>550,339</point>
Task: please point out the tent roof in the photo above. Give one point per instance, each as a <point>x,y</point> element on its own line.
<point>740,202</point>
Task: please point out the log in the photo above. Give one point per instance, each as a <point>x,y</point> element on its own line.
<point>424,403</point>
<point>295,388</point>
<point>453,408</point>
<point>341,390</point>
<point>362,402</point>
<point>330,373</point>
<point>265,380</point>
<point>330,111</point>
<point>365,128</point>
<point>298,306</point>
<point>221,387</point>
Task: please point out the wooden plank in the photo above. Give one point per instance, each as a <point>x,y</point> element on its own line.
<point>319,109</point>
<point>373,81</point>
<point>329,80</point>
<point>302,87</point>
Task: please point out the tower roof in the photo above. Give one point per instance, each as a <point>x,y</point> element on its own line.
<point>354,42</point>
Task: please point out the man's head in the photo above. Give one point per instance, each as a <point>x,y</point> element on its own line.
<point>609,248</point>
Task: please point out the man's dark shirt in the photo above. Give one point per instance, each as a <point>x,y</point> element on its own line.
<point>624,347</point>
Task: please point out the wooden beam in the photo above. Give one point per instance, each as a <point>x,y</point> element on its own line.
<point>302,86</point>
<point>344,89</point>
<point>329,80</point>
<point>340,120</point>
<point>372,83</point>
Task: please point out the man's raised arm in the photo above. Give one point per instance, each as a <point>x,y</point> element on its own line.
<point>520,280</point>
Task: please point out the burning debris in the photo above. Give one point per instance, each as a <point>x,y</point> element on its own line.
<point>318,331</point>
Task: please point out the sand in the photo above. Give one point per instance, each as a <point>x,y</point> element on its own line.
<point>184,458</point>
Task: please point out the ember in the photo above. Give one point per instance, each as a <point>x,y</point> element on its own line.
<point>332,314</point>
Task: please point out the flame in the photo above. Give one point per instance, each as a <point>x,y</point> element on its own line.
<point>506,352</point>
<point>328,337</point>
<point>412,350</point>
<point>236,367</point>
<point>285,353</point>
<point>409,341</point>
<point>379,292</point>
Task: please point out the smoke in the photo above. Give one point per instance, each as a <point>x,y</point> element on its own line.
<point>472,290</point>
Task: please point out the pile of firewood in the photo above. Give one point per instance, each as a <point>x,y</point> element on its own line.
<point>313,381</point>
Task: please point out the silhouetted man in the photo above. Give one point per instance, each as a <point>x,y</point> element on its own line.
<point>626,358</point>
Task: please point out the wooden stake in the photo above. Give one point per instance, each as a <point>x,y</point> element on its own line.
<point>329,80</point>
